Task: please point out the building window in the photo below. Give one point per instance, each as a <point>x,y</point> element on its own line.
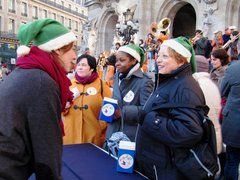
<point>62,20</point>
<point>11,6</point>
<point>0,4</point>
<point>69,6</point>
<point>35,12</point>
<point>70,24</point>
<point>76,26</point>
<point>24,9</point>
<point>11,26</point>
<point>44,13</point>
<point>54,16</point>
<point>76,9</point>
<point>62,3</point>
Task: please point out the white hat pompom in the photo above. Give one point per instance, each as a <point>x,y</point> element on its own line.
<point>23,50</point>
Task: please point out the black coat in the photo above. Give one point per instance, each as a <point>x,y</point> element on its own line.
<point>142,86</point>
<point>182,129</point>
<point>30,135</point>
<point>230,89</point>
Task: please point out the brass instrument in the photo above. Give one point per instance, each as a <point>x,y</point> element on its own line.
<point>162,26</point>
<point>226,45</point>
<point>153,29</point>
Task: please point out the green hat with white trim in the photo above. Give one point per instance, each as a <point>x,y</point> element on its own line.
<point>135,51</point>
<point>47,34</point>
<point>183,46</point>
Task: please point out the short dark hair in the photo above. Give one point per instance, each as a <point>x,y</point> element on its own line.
<point>91,61</point>
<point>198,31</point>
<point>222,55</point>
<point>112,60</point>
<point>117,43</point>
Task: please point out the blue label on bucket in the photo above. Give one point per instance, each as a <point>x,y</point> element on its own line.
<point>107,111</point>
<point>125,160</point>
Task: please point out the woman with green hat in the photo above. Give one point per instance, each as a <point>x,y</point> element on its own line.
<point>131,88</point>
<point>32,99</point>
<point>177,126</point>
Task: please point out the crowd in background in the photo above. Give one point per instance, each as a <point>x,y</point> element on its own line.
<point>194,71</point>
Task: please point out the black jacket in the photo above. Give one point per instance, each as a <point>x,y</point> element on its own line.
<point>30,135</point>
<point>176,128</point>
<point>141,85</point>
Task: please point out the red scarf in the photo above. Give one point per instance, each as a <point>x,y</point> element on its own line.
<point>39,59</point>
<point>86,80</point>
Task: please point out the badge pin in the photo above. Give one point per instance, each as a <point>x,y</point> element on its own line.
<point>129,96</point>
<point>91,91</point>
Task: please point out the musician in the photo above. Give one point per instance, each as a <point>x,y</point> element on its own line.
<point>226,35</point>
<point>217,41</point>
<point>150,46</point>
<point>202,45</point>
<point>234,45</point>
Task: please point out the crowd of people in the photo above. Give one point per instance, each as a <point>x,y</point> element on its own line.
<point>41,108</point>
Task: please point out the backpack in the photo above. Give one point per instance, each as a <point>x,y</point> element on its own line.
<point>200,161</point>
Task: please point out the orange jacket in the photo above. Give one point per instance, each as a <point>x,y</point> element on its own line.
<point>83,125</point>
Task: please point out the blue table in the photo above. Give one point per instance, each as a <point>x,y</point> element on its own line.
<point>88,162</point>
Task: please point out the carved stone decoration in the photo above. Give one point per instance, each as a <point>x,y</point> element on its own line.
<point>210,1</point>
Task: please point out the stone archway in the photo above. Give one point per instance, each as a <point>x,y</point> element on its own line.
<point>110,32</point>
<point>106,31</point>
<point>180,12</point>
<point>232,13</point>
<point>184,23</point>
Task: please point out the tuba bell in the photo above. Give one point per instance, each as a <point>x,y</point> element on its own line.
<point>154,29</point>
<point>164,25</point>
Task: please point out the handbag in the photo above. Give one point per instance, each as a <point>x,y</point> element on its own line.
<point>199,161</point>
<point>113,142</point>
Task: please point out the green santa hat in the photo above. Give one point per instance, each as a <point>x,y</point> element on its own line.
<point>183,46</point>
<point>135,51</point>
<point>47,34</point>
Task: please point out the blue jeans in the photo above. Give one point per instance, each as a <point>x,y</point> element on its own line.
<point>232,163</point>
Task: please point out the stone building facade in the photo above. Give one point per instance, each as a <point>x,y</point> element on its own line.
<point>13,13</point>
<point>186,16</point>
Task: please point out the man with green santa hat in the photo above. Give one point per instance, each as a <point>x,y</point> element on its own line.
<point>32,99</point>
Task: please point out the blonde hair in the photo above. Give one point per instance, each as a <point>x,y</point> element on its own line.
<point>178,57</point>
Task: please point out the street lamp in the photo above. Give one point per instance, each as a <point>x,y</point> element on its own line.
<point>128,27</point>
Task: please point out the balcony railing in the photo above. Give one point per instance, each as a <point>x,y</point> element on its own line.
<point>24,14</point>
<point>0,6</point>
<point>54,4</point>
<point>4,34</point>
<point>11,10</point>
